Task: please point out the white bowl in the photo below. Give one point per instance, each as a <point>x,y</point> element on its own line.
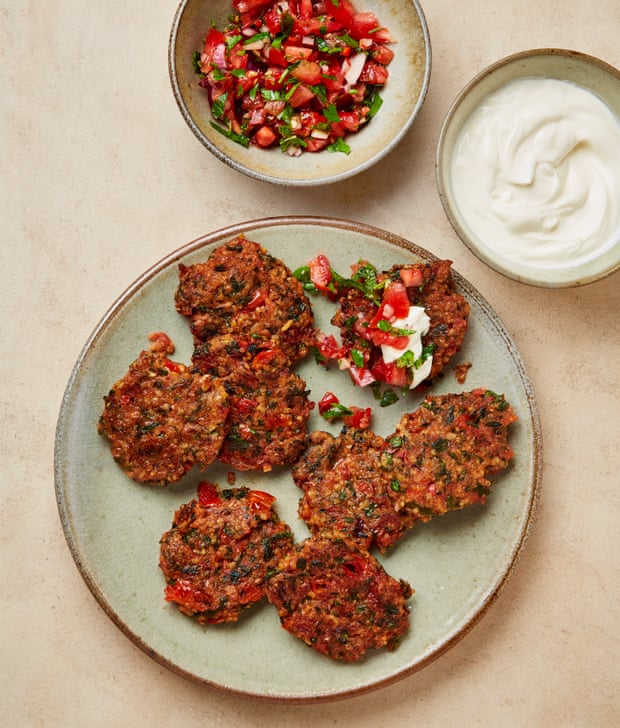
<point>585,71</point>
<point>403,96</point>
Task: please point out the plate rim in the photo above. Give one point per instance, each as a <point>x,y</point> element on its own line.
<point>495,587</point>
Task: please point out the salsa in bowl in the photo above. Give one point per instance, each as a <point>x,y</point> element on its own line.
<point>299,92</point>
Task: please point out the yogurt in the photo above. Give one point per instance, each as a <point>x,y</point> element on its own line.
<point>536,173</point>
<point>418,323</point>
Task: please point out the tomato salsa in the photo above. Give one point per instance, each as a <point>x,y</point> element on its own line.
<point>298,74</point>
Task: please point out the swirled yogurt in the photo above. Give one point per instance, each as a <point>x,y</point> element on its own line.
<point>536,173</point>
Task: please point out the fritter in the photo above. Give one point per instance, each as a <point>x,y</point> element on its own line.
<point>445,451</point>
<point>338,599</point>
<point>371,489</point>
<point>429,285</point>
<point>162,419</point>
<point>250,298</point>
<point>219,550</point>
<point>346,483</point>
<point>269,410</point>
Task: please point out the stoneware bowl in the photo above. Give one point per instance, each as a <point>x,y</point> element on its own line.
<point>403,96</point>
<point>585,71</point>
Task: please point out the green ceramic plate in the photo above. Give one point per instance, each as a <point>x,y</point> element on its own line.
<point>457,564</point>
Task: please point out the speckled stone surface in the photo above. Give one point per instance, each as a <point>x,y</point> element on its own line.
<point>100,179</point>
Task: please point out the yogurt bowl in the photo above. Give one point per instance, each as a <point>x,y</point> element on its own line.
<point>528,167</point>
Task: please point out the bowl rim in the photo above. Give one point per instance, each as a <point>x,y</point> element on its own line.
<point>441,164</point>
<point>263,176</point>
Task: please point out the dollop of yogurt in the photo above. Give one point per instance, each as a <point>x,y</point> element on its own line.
<point>418,322</point>
<point>536,173</point>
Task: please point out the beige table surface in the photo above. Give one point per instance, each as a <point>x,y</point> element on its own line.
<point>100,179</point>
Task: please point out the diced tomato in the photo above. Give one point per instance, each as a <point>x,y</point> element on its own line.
<point>361,376</point>
<point>294,53</point>
<point>395,296</point>
<point>260,500</point>
<point>258,299</point>
<point>374,74</point>
<point>387,338</point>
<point>320,272</point>
<point>390,373</point>
<point>301,96</point>
<point>381,53</point>
<point>411,277</point>
<point>264,137</point>
<point>275,57</point>
<point>341,10</point>
<point>327,401</point>
<point>305,59</point>
<point>305,8</point>
<point>333,77</point>
<point>214,51</point>
<point>363,25</point>
<point>307,72</point>
<point>328,347</point>
<point>350,120</point>
<point>315,145</point>
<point>273,20</point>
<point>359,418</point>
<point>208,494</point>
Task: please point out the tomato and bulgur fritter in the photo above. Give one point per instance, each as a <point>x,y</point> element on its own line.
<point>161,419</point>
<point>250,298</point>
<point>440,458</point>
<point>269,410</point>
<point>339,599</point>
<point>346,481</point>
<point>219,550</point>
<point>445,452</point>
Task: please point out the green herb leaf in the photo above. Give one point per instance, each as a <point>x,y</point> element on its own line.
<point>388,397</point>
<point>336,411</point>
<point>232,41</point>
<point>386,326</point>
<point>218,106</point>
<point>228,132</point>
<point>340,146</point>
<point>331,113</point>
<point>375,102</point>
<point>256,38</point>
<point>358,358</point>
